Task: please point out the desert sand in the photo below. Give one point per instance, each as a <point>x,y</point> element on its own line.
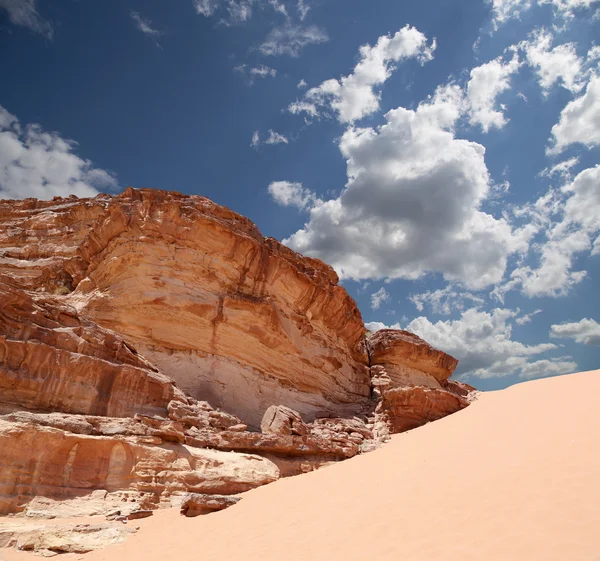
<point>516,476</point>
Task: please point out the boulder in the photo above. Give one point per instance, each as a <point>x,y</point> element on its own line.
<point>195,504</point>
<point>279,419</point>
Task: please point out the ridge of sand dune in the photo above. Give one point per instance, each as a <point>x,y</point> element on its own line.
<point>513,477</point>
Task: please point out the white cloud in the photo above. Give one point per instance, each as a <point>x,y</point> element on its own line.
<point>374,326</point>
<point>252,72</point>
<point>144,25</point>
<point>596,247</point>
<point>238,11</point>
<point>287,193</point>
<point>554,275</point>
<point>585,331</point>
<point>206,7</point>
<point>412,203</point>
<point>487,82</point>
<point>301,84</point>
<point>583,205</point>
<point>25,14</point>
<point>554,65</point>
<point>526,318</point>
<point>35,163</point>
<point>302,8</point>
<point>562,169</point>
<point>291,39</point>
<point>378,298</point>
<point>579,121</point>
<point>481,341</point>
<point>272,138</point>
<point>552,367</point>
<point>504,10</point>
<point>276,138</point>
<point>262,71</point>
<point>569,218</point>
<point>444,300</point>
<point>278,7</point>
<point>353,97</point>
<point>567,8</point>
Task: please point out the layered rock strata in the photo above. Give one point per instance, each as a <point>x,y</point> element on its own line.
<point>154,345</point>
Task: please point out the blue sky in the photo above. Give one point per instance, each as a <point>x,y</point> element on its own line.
<point>442,155</point>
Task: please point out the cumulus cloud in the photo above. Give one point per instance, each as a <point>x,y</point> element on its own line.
<point>486,83</point>
<point>301,84</point>
<point>286,193</point>
<point>444,301</point>
<point>482,342</point>
<point>290,39</point>
<point>353,97</point>
<point>585,331</point>
<point>504,10</point>
<point>548,367</point>
<point>25,14</point>
<point>412,203</point>
<point>35,163</point>
<point>374,326</point>
<point>579,121</point>
<point>554,65</point>
<point>568,218</point>
<point>378,298</point>
<point>255,139</point>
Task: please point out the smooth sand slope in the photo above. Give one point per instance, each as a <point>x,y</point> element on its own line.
<point>516,476</point>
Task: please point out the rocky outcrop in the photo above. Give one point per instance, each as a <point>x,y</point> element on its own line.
<point>408,408</point>
<point>47,541</point>
<point>52,359</point>
<point>38,460</point>
<point>408,360</point>
<point>197,290</point>
<point>410,378</point>
<point>195,504</point>
<point>154,345</point>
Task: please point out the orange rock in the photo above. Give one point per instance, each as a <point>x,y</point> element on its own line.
<point>142,334</point>
<point>407,357</point>
<point>409,408</point>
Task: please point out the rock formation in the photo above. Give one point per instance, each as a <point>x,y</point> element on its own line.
<point>154,344</point>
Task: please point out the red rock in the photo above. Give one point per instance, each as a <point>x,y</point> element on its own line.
<point>403,354</point>
<point>409,408</point>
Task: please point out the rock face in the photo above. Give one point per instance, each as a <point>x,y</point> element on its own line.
<point>154,344</point>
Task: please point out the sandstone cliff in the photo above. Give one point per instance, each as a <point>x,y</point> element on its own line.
<point>154,344</point>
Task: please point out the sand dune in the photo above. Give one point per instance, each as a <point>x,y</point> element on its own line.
<point>516,476</point>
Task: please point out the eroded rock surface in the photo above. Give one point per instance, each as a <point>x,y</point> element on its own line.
<point>154,345</point>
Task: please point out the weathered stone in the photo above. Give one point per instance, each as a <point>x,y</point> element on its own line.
<point>52,359</point>
<point>408,359</point>
<point>46,461</point>
<point>216,304</point>
<point>279,419</point>
<point>26,535</point>
<point>195,504</point>
<point>408,408</point>
<point>142,334</point>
